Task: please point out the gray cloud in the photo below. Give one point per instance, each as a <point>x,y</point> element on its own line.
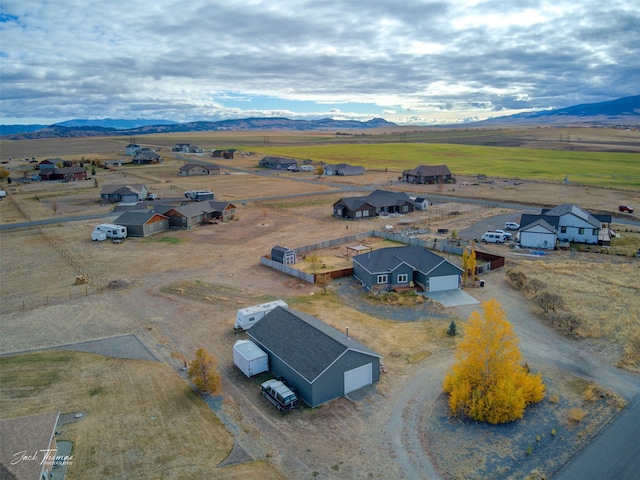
<point>439,61</point>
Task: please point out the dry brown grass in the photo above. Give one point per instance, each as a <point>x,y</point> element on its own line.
<point>143,411</point>
<point>605,296</point>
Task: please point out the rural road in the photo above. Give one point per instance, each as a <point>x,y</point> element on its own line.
<point>614,455</point>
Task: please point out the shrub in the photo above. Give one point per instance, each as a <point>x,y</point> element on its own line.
<point>576,415</point>
<point>453,329</point>
<point>534,285</point>
<point>518,278</point>
<point>566,321</point>
<point>549,301</point>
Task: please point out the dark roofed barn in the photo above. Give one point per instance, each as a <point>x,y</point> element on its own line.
<point>318,361</point>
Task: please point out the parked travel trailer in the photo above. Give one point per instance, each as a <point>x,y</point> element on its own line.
<point>248,317</point>
<point>307,168</point>
<point>112,231</point>
<point>249,358</point>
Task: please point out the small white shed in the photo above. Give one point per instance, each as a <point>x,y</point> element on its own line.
<point>249,358</point>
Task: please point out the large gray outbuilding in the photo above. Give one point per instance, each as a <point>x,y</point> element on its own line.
<point>318,361</point>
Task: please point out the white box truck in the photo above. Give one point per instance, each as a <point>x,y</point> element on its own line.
<point>249,358</point>
<point>112,231</point>
<point>248,317</point>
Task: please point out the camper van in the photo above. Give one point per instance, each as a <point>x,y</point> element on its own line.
<point>199,195</point>
<point>248,317</point>
<point>307,168</point>
<point>112,231</point>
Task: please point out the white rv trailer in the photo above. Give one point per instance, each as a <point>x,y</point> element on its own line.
<point>112,231</point>
<point>248,317</point>
<point>249,358</point>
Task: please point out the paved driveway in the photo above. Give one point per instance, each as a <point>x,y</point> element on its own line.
<point>452,298</point>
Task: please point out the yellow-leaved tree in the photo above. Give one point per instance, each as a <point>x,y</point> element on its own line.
<point>468,265</point>
<point>488,381</point>
<point>203,372</point>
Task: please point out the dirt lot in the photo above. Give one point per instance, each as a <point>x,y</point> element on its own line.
<point>179,291</point>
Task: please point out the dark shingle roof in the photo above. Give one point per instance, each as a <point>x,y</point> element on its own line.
<point>303,342</point>
<point>388,259</point>
<point>136,217</point>
<point>429,171</point>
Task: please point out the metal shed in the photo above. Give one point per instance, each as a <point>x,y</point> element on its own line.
<point>318,361</point>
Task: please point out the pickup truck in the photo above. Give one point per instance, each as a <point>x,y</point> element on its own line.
<point>625,208</point>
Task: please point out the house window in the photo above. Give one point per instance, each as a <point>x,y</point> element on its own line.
<point>358,214</point>
<point>403,278</point>
<point>563,229</point>
<point>594,232</point>
<point>581,231</point>
<point>365,213</point>
<point>405,208</point>
<point>383,279</point>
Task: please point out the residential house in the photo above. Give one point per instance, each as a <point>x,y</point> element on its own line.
<point>319,362</point>
<point>132,149</point>
<point>569,222</point>
<point>428,174</point>
<point>50,163</point>
<point>194,214</point>
<point>123,193</point>
<point>193,169</point>
<point>279,163</point>
<point>67,174</point>
<point>378,202</point>
<point>34,436</point>
<point>343,169</point>
<point>401,267</point>
<point>146,156</point>
<point>186,148</point>
<point>142,223</point>
<point>228,154</point>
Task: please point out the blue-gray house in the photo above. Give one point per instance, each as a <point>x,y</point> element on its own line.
<point>318,361</point>
<point>399,267</point>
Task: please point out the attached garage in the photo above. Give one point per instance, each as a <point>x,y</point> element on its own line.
<point>318,361</point>
<point>447,282</point>
<point>538,234</point>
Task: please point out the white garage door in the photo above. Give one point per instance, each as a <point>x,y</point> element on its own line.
<point>447,282</point>
<point>357,378</point>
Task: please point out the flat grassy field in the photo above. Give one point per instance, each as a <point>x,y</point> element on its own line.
<point>142,420</point>
<point>619,170</point>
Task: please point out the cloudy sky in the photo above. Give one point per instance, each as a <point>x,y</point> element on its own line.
<point>408,61</point>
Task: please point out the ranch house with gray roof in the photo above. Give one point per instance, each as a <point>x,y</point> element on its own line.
<point>401,267</point>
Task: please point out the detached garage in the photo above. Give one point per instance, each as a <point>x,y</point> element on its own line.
<point>318,361</point>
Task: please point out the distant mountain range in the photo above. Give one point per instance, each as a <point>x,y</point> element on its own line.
<point>109,127</point>
<point>625,111</point>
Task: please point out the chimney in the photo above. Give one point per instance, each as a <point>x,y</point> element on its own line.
<point>347,332</point>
